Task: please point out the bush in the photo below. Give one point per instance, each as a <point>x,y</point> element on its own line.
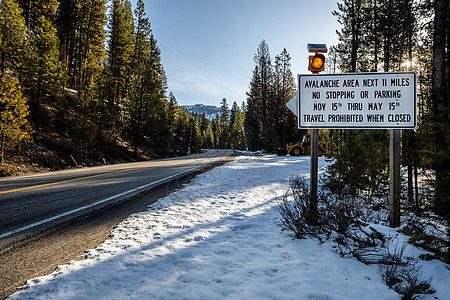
<point>342,212</point>
<point>402,273</point>
<point>299,215</point>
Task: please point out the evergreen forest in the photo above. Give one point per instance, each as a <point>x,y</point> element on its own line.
<point>403,35</point>
<point>375,36</point>
<point>78,76</point>
<point>83,84</point>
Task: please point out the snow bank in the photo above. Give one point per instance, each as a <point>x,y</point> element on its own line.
<point>215,239</point>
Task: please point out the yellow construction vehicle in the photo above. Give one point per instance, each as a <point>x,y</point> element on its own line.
<point>303,148</point>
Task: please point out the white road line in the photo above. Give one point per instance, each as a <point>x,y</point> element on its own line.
<point>4,235</point>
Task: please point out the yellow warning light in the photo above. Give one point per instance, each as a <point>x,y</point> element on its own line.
<point>316,63</point>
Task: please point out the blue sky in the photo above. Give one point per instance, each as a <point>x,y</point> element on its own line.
<point>207,46</point>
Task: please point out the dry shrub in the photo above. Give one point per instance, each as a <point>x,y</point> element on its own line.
<point>299,214</point>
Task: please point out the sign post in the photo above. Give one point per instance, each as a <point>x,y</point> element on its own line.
<point>360,101</point>
<point>314,168</point>
<point>394,177</point>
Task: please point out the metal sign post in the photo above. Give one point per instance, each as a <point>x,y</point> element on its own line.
<point>314,169</point>
<point>394,177</point>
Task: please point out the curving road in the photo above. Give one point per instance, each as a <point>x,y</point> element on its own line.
<point>30,203</point>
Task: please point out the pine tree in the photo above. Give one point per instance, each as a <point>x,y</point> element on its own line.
<point>285,88</point>
<point>253,122</point>
<point>156,125</point>
<point>236,120</point>
<point>234,112</point>
<point>204,122</point>
<point>182,128</point>
<point>14,126</point>
<point>80,26</point>
<point>142,36</point>
<point>362,155</point>
<point>44,8</point>
<point>34,9</point>
<point>208,137</point>
<point>120,48</point>
<point>408,38</point>
<point>138,104</point>
<point>264,69</point>
<point>224,123</point>
<point>91,51</point>
<point>260,102</point>
<point>13,36</point>
<point>172,111</point>
<point>197,139</point>
<point>94,105</point>
<point>26,6</point>
<point>217,132</point>
<point>66,26</point>
<point>224,114</point>
<point>350,16</point>
<point>44,72</point>
<point>268,123</point>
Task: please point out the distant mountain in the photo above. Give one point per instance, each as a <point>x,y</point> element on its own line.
<point>210,111</point>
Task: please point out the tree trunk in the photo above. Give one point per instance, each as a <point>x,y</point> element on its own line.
<point>440,101</point>
<point>416,185</point>
<point>3,146</point>
<point>409,136</point>
<point>375,34</point>
<point>387,39</point>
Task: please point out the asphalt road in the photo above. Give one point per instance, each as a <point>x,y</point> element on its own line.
<point>29,204</point>
<point>28,250</point>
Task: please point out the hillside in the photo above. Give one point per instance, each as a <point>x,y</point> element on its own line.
<point>62,142</point>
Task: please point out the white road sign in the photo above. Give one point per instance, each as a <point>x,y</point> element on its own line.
<point>358,101</point>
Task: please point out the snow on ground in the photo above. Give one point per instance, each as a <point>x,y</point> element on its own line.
<point>217,238</point>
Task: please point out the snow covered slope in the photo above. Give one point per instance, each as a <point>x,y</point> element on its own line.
<point>210,111</point>
<point>217,239</point>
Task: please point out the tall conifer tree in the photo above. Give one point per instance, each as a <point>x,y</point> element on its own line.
<point>285,88</point>
<point>265,73</point>
<point>172,111</point>
<point>156,126</point>
<point>44,72</point>
<point>14,126</point>
<point>259,121</point>
<point>350,16</point>
<point>253,113</point>
<point>224,123</point>
<point>236,138</point>
<point>120,48</point>
<point>137,105</point>
<point>13,36</point>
